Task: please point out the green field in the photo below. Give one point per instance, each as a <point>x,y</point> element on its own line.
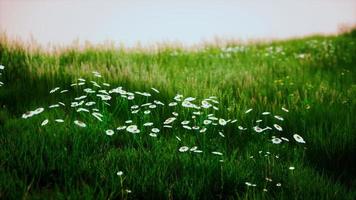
<point>213,146</point>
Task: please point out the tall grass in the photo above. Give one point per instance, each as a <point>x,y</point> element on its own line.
<point>313,77</point>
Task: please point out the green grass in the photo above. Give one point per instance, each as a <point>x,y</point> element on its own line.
<point>313,77</point>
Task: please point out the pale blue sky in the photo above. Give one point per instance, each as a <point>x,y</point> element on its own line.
<point>188,21</point>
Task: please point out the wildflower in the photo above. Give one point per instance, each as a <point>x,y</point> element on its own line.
<point>54,90</point>
<point>90,103</point>
<point>206,122</point>
<point>154,89</point>
<point>187,127</point>
<point>54,106</point>
<point>134,107</point>
<point>178,138</point>
<point>183,149</point>
<point>109,132</point>
<point>249,110</point>
<point>38,111</point>
<point>148,124</point>
<point>128,121</point>
<point>279,117</point>
<point>146,112</point>
<point>202,130</point>
<point>217,153</point>
<point>132,129</point>
<point>221,134</point>
<point>222,122</point>
<point>121,128</point>
<point>45,122</point>
<point>193,148</point>
<point>298,138</point>
<point>172,104</point>
<point>80,123</point>
<point>266,113</point>
<point>169,120</point>
<point>104,97</point>
<point>291,168</point>
<point>276,140</point>
<point>279,128</point>
<point>155,130</point>
<point>205,104</point>
<point>258,129</point>
<point>153,134</point>
<point>285,110</point>
<point>59,120</point>
<point>285,139</point>
<point>178,97</point>
<point>82,110</point>
<point>80,98</point>
<point>185,122</point>
<point>97,116</point>
<point>119,173</point>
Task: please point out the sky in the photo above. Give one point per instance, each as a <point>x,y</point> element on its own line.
<point>187,21</point>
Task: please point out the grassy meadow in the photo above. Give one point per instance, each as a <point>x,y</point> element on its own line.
<point>214,122</point>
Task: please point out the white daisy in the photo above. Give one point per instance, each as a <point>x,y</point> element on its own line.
<point>82,110</point>
<point>38,111</point>
<point>298,138</point>
<point>54,90</point>
<point>154,89</point>
<point>202,130</point>
<point>45,122</point>
<point>90,103</point>
<point>206,122</point>
<point>279,117</point>
<point>148,124</point>
<point>132,129</point>
<point>54,106</point>
<point>155,130</point>
<point>178,138</point>
<point>97,116</point>
<point>183,149</point>
<point>221,134</point>
<point>279,128</point>
<point>276,140</point>
<point>169,120</point>
<point>172,104</point>
<point>217,153</point>
<point>80,98</point>
<point>121,128</point>
<point>249,110</point>
<point>109,132</point>
<point>222,122</point>
<point>59,120</point>
<point>185,122</point>
<point>153,134</point>
<point>80,123</point>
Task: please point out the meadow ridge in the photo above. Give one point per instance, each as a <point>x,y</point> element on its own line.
<point>263,120</point>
